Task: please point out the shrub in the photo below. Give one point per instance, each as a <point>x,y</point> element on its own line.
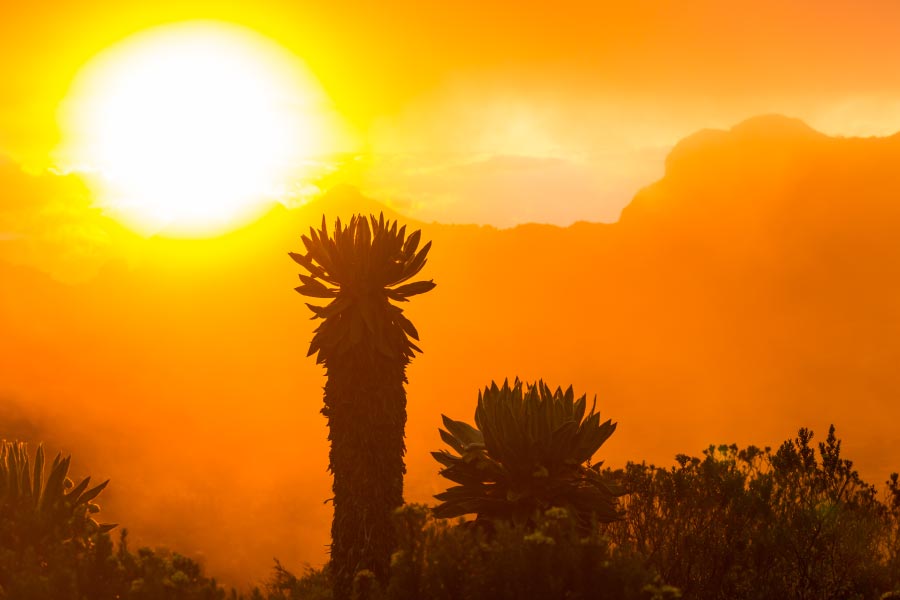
<point>548,558</point>
<point>46,524</point>
<point>750,523</point>
<point>51,548</point>
<point>442,560</point>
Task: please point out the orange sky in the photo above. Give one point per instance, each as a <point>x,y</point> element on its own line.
<point>607,87</point>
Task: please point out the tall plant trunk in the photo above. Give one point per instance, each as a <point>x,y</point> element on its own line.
<point>365,404</point>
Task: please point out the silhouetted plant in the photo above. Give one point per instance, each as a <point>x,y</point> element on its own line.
<point>752,523</point>
<point>52,548</point>
<point>891,539</point>
<point>314,584</point>
<point>530,452</point>
<point>364,343</point>
<point>550,558</point>
<point>38,508</point>
<point>45,523</point>
<point>45,520</point>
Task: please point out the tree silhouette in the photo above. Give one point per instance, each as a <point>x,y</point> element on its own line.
<point>364,344</point>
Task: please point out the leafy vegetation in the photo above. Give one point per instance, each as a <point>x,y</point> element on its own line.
<point>798,523</point>
<point>736,523</point>
<point>52,548</point>
<point>530,451</point>
<point>439,559</point>
<point>39,509</point>
<point>364,341</point>
<point>549,557</point>
<point>44,517</point>
<point>102,570</point>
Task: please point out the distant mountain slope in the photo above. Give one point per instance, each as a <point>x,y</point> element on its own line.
<point>753,289</point>
<point>771,172</point>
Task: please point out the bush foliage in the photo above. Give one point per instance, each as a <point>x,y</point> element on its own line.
<point>797,523</point>
<point>751,523</point>
<point>739,523</point>
<point>439,559</point>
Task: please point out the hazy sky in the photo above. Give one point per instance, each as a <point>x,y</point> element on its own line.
<point>442,89</point>
<point>782,280</point>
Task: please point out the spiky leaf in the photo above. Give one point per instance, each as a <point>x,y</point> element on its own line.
<point>527,453</point>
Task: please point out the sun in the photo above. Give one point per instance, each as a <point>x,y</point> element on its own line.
<point>192,128</point>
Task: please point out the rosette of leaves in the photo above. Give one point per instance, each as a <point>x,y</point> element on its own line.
<point>41,506</point>
<point>529,451</point>
<point>365,343</point>
<point>360,268</point>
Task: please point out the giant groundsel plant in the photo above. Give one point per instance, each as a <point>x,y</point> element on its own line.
<point>365,343</point>
<point>41,506</point>
<point>529,451</point>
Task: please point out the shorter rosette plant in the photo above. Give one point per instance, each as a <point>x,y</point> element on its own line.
<point>41,507</point>
<point>530,451</point>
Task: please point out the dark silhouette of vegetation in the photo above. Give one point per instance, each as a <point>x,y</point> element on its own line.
<point>315,584</point>
<point>531,451</point>
<point>365,344</point>
<point>52,548</point>
<point>550,558</point>
<point>43,508</point>
<point>44,516</point>
<point>797,523</point>
<point>750,523</point>
<point>101,570</point>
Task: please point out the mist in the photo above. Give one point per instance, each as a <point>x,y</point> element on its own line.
<point>747,293</point>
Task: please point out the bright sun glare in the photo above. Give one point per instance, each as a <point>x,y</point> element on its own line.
<point>192,128</point>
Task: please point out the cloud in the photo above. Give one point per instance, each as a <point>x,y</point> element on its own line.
<point>48,221</point>
<point>505,189</point>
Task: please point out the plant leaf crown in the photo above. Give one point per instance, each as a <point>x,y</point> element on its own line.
<point>527,453</point>
<point>361,268</point>
<point>50,507</point>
